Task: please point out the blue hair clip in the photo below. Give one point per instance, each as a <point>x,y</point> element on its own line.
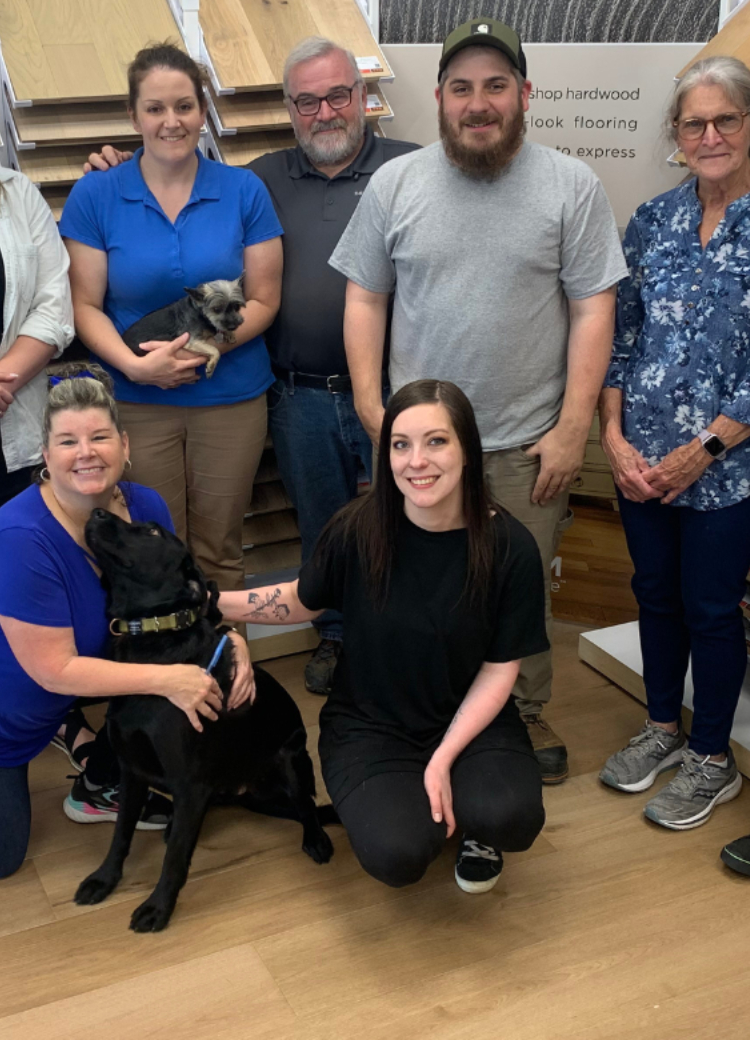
<point>54,380</point>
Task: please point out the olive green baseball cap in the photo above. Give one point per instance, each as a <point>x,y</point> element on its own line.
<point>485,32</point>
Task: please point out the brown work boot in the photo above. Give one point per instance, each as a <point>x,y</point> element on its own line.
<point>551,753</point>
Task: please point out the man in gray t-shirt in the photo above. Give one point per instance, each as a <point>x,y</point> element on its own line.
<point>502,257</point>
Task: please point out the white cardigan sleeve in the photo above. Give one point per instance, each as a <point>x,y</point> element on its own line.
<point>49,317</point>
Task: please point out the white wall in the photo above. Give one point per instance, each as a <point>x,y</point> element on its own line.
<point>626,151</point>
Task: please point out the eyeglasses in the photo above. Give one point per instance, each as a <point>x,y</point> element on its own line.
<point>727,125</point>
<point>309,104</point>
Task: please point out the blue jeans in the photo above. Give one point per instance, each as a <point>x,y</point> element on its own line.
<point>320,447</point>
<point>15,817</point>
<point>690,569</point>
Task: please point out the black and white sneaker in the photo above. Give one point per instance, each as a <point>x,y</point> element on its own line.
<point>477,866</point>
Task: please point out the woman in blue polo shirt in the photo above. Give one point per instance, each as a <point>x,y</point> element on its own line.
<point>137,237</point>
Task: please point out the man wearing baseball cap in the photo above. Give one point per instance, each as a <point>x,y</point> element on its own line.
<point>502,257</point>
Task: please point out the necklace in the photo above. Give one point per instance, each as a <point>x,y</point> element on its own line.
<point>77,526</point>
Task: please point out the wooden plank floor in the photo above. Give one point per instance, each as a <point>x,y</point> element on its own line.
<point>594,582</point>
<point>607,929</point>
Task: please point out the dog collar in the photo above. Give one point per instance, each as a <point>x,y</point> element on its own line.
<point>140,626</point>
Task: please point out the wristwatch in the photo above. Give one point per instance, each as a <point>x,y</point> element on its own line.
<point>714,445</point>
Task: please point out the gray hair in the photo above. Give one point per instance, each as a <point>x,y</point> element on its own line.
<point>730,74</point>
<point>316,47</point>
<point>80,386</point>
<point>519,76</point>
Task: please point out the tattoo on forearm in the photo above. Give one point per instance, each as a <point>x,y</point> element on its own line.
<point>265,609</point>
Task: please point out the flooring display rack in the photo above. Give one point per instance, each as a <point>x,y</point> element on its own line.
<point>64,89</point>
<point>63,69</point>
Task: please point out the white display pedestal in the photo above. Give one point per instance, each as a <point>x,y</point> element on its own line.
<point>616,653</point>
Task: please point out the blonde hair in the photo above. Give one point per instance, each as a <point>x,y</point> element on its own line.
<point>77,386</point>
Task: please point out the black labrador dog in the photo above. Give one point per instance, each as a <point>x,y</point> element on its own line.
<point>256,753</point>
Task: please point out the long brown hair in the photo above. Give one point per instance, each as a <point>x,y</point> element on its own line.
<point>373,519</point>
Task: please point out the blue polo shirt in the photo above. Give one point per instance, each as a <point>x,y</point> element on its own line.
<point>150,261</point>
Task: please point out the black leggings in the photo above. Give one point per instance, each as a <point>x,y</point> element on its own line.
<point>497,801</point>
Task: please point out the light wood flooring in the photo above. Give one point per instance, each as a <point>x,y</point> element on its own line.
<point>595,569</point>
<point>607,928</point>
<point>56,50</point>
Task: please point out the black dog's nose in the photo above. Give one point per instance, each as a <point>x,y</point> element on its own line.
<point>99,514</point>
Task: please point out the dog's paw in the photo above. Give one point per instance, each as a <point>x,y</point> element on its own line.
<point>149,917</point>
<point>94,889</point>
<point>320,849</point>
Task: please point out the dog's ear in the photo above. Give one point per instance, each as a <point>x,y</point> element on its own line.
<point>197,594</point>
<point>213,614</point>
<point>196,295</point>
<point>241,282</point>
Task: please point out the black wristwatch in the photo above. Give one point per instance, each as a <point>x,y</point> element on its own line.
<point>714,445</point>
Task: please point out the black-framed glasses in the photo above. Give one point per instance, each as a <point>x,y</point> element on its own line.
<point>309,104</point>
<point>727,124</point>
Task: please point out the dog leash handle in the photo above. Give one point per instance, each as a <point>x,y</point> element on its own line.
<point>217,654</point>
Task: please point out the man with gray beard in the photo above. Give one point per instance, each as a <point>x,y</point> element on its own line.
<point>319,441</point>
<point>503,257</point>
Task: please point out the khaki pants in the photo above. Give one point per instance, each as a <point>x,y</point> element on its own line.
<point>202,461</point>
<point>511,476</point>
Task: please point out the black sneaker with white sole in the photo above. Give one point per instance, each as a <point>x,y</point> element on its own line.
<point>477,866</point>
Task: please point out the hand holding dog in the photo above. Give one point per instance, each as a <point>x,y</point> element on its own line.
<point>243,686</point>
<point>191,690</point>
<point>166,364</point>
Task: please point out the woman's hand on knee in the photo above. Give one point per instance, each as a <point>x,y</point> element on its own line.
<point>437,784</point>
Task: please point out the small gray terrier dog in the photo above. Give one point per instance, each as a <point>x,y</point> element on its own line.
<point>211,312</point>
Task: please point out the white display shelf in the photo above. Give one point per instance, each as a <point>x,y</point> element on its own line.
<point>616,653</point>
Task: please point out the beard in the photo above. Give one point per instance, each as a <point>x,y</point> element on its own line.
<point>332,148</point>
<point>483,162</point>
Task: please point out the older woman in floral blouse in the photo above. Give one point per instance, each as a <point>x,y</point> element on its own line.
<point>675,417</point>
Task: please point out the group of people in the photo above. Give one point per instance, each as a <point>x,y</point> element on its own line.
<point>380,278</point>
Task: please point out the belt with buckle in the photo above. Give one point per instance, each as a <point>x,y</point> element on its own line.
<point>333,384</point>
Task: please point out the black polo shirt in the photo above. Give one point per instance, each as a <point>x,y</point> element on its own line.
<point>308,332</point>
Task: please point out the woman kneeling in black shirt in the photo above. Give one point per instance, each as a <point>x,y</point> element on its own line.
<point>442,594</point>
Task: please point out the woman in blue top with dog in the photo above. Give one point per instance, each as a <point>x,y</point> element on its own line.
<point>53,625</point>
<point>137,237</point>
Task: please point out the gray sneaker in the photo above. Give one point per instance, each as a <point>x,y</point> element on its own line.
<point>688,800</point>
<point>637,766</point>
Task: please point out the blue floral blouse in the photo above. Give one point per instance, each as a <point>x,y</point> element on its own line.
<point>682,339</point>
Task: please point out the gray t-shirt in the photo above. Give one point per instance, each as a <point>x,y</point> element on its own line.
<point>482,273</point>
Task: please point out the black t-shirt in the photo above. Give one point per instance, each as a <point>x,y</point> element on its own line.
<point>405,669</point>
<point>307,334</point>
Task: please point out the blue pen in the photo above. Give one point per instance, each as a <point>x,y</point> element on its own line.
<point>217,654</point>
